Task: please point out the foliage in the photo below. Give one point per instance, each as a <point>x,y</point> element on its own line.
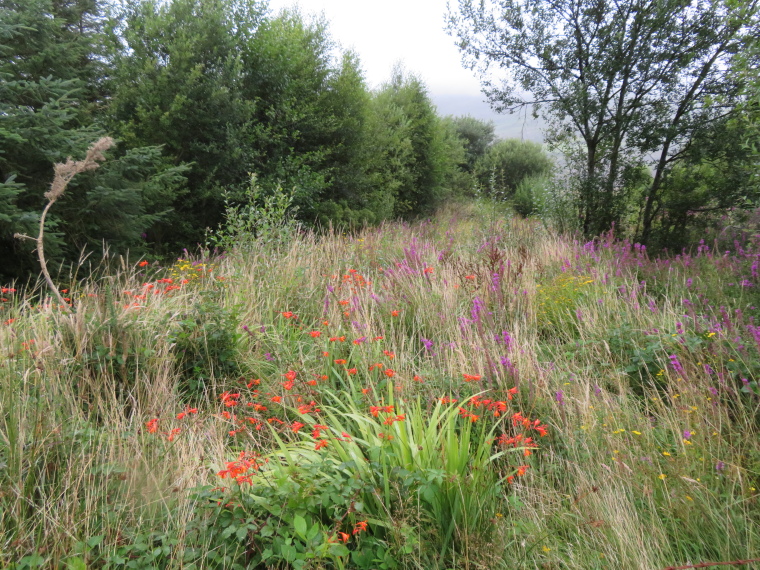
<point>620,85</point>
<point>477,136</point>
<point>259,222</point>
<point>50,96</point>
<point>642,370</point>
<point>507,163</point>
<point>204,344</point>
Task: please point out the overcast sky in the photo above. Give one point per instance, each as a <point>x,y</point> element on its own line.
<point>384,32</point>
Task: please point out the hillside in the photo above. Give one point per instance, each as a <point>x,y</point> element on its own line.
<point>471,391</point>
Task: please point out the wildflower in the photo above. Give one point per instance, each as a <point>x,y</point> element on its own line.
<point>152,425</point>
<point>344,536</point>
<point>471,377</point>
<point>288,314</point>
<point>352,370</point>
<point>390,373</point>
<point>320,444</point>
<point>340,361</point>
<point>418,379</point>
<point>288,385</point>
<point>428,270</point>
<point>394,313</point>
<point>325,353</point>
<point>290,375</point>
<point>389,354</point>
<point>360,526</point>
<point>173,433</point>
<point>511,392</point>
<point>295,426</point>
<point>315,334</point>
<point>276,399</point>
<point>143,263</point>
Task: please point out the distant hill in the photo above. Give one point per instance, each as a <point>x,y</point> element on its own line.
<point>518,126</point>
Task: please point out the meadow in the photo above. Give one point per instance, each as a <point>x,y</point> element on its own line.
<point>470,391</point>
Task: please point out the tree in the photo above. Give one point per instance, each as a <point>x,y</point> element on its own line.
<point>52,90</point>
<point>621,83</point>
<point>507,163</point>
<point>476,135</point>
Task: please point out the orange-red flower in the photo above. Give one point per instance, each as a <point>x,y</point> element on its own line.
<point>152,425</point>
<point>290,375</point>
<point>390,373</point>
<point>360,526</point>
<point>143,263</point>
<point>315,334</point>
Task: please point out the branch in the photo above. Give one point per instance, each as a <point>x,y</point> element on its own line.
<point>64,172</point>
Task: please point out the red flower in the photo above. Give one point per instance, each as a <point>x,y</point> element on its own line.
<point>152,425</point>
<point>290,375</point>
<point>315,334</point>
<point>320,444</point>
<point>360,526</point>
<point>143,263</point>
<point>390,373</point>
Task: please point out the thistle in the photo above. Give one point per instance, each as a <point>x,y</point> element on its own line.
<point>64,172</point>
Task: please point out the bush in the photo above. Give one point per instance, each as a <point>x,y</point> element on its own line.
<point>507,163</point>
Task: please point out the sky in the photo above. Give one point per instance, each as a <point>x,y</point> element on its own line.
<point>385,32</point>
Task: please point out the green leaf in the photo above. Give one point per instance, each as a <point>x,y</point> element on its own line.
<point>94,541</point>
<point>299,523</point>
<point>241,533</point>
<point>76,564</point>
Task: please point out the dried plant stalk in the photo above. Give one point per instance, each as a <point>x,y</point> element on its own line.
<point>64,172</point>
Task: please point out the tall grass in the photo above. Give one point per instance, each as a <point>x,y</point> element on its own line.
<point>644,370</point>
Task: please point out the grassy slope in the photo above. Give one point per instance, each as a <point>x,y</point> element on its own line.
<point>635,365</point>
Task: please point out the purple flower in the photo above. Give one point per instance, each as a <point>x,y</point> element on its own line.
<point>686,434</point>
<point>560,397</point>
<point>720,466</point>
<point>428,343</point>
<point>675,364</point>
<point>268,356</point>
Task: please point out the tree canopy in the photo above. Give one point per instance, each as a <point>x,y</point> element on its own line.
<point>621,84</point>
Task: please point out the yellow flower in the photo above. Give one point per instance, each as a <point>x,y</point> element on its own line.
<point>662,476</point>
<point>666,454</point>
<point>636,432</point>
<point>546,548</point>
